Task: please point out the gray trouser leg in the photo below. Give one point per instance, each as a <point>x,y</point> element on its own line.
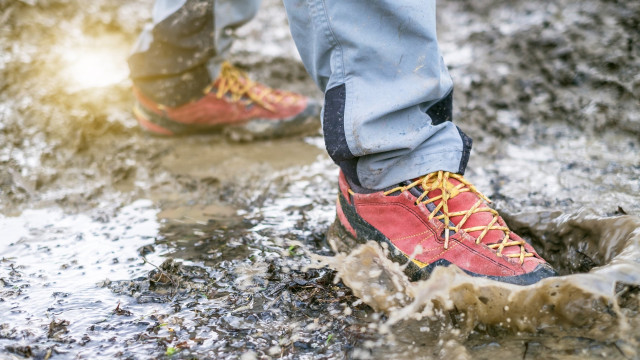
<point>387,90</point>
<point>180,53</point>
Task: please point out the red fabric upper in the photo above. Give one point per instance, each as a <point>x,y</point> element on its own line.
<point>210,110</point>
<point>407,225</point>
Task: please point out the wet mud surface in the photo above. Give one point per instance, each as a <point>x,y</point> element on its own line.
<point>116,244</point>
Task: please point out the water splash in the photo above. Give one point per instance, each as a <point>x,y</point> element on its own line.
<point>594,304</point>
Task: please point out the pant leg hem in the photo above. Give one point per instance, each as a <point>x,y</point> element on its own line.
<point>412,168</point>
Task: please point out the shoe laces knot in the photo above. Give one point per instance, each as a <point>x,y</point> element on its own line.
<point>238,86</point>
<point>448,190</point>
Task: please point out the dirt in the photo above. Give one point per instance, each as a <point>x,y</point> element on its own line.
<point>118,244</point>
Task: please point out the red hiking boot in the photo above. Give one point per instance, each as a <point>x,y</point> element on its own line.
<point>438,220</point>
<point>243,108</point>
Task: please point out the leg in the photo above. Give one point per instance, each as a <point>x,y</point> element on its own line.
<point>387,90</point>
<point>180,54</point>
<point>183,85</point>
<point>387,125</point>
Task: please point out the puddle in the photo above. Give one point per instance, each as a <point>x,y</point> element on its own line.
<point>53,268</point>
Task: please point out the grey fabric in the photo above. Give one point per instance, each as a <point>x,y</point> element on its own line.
<point>386,55</point>
<point>180,53</point>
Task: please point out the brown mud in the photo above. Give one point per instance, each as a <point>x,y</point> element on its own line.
<point>117,244</point>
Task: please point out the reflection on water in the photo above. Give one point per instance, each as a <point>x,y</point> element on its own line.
<point>53,265</point>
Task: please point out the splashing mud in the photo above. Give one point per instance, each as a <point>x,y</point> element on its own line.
<point>115,244</point>
<point>601,304</point>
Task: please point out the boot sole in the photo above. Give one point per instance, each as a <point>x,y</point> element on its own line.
<point>304,123</point>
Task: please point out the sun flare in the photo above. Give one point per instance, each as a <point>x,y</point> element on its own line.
<point>92,68</point>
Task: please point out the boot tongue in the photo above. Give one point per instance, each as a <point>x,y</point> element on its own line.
<point>463,201</point>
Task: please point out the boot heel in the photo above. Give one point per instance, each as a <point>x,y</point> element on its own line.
<point>339,239</point>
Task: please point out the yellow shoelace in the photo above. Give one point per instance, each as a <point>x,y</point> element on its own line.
<point>236,83</point>
<point>440,181</point>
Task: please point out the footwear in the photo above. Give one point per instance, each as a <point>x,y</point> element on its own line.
<point>437,220</point>
<point>243,108</point>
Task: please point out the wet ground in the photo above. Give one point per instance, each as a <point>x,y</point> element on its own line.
<point>116,244</point>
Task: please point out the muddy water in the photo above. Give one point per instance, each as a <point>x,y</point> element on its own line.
<point>597,304</point>
<point>115,244</point>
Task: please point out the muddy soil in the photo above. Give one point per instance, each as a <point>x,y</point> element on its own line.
<point>117,244</point>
